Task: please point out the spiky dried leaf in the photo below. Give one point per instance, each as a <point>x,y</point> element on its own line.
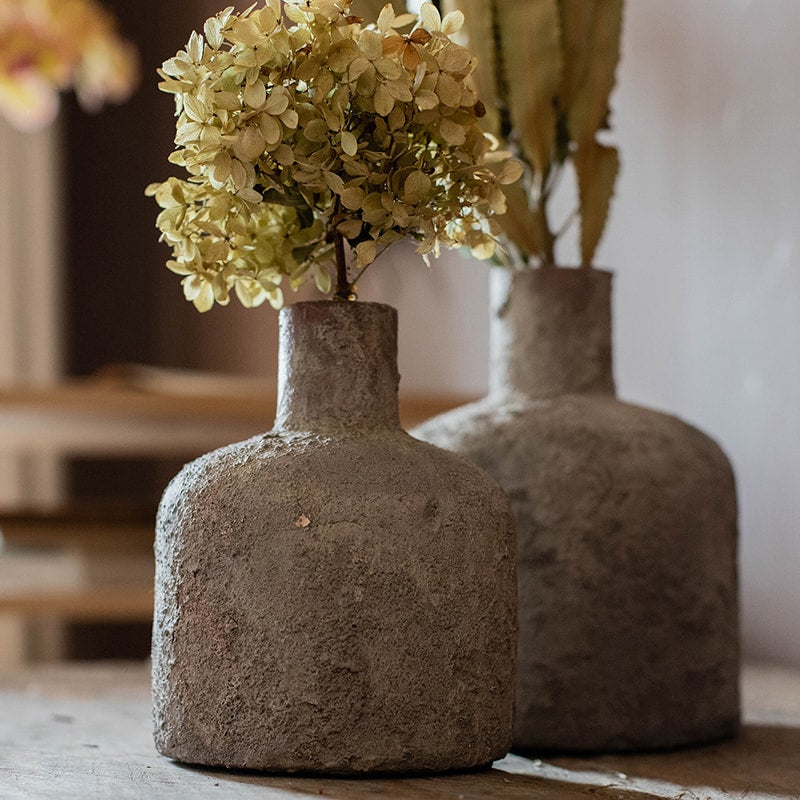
<point>596,166</point>
<point>591,45</point>
<point>530,37</point>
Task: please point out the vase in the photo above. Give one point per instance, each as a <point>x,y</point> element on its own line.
<point>626,531</point>
<point>334,596</point>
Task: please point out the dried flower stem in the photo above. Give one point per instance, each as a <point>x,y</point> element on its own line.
<point>343,289</point>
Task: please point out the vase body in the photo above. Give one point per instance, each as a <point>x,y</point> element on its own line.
<point>334,596</point>
<point>626,531</point>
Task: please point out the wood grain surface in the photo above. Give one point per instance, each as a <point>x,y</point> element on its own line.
<point>83,731</point>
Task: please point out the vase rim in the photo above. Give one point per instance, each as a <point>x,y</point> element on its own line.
<point>329,303</point>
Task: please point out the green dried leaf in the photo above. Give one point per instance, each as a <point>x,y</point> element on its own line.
<point>353,197</point>
<point>597,167</point>
<point>284,155</point>
<point>480,33</point>
<point>452,132</point>
<point>592,30</point>
<point>335,183</point>
<point>221,168</point>
<point>250,195</point>
<point>227,100</point>
<point>349,143</point>
<point>270,129</point>
<point>316,130</point>
<point>370,9</point>
<point>511,172</point>
<point>417,187</point>
<point>350,228</point>
<point>365,254</point>
<point>530,37</point>
<point>430,17</point>
<point>384,102</point>
<point>426,99</point>
<point>322,278</point>
<point>517,222</point>
<point>255,94</point>
<point>249,145</point>
<point>194,109</point>
<point>289,118</point>
<point>277,102</point>
<point>448,89</point>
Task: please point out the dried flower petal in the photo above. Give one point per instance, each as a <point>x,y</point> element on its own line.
<point>295,121</point>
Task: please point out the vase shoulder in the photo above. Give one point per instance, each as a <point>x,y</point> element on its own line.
<point>504,423</point>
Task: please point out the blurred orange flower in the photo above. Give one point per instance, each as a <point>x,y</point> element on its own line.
<point>49,46</point>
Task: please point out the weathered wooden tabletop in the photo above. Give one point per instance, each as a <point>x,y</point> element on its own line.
<point>84,732</point>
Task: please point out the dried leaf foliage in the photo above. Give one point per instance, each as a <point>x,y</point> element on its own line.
<point>546,70</point>
<point>299,124</point>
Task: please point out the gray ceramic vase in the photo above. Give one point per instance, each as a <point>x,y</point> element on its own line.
<point>334,596</point>
<point>626,526</point>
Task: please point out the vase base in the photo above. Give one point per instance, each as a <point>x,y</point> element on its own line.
<point>662,740</point>
<point>375,766</point>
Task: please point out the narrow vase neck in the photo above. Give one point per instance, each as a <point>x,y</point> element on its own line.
<point>337,366</point>
<point>550,332</point>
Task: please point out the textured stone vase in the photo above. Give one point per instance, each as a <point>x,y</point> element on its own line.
<point>626,531</point>
<point>334,596</point>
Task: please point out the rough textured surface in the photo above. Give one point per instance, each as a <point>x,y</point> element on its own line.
<point>339,601</point>
<point>337,367</point>
<point>550,332</point>
<point>626,526</point>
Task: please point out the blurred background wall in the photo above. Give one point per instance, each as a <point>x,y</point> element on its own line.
<point>703,239</point>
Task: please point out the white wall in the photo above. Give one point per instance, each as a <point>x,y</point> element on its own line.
<point>704,239</point>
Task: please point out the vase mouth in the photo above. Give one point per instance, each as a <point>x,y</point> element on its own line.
<point>337,366</point>
<point>550,332</point>
<point>330,303</point>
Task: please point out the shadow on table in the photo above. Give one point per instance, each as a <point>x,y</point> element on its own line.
<point>486,784</point>
<point>761,759</point>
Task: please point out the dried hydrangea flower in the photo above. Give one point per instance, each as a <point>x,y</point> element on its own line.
<point>306,132</point>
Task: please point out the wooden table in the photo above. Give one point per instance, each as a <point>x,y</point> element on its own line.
<point>84,732</point>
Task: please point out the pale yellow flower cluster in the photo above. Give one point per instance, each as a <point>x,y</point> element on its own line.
<point>47,46</point>
<point>303,128</point>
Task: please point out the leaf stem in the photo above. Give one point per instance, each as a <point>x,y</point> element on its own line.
<point>573,215</point>
<point>365,268</point>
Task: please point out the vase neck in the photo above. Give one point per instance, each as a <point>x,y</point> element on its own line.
<point>550,332</point>
<point>337,366</point>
